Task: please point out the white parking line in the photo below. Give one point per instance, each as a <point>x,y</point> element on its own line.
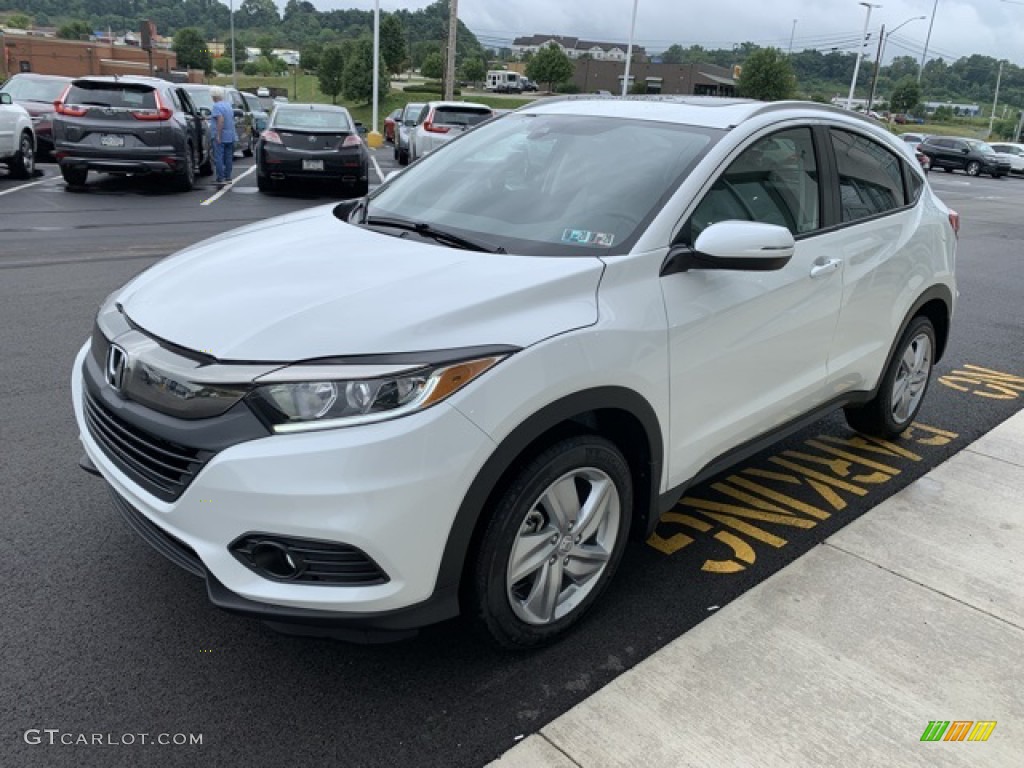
<point>30,184</point>
<point>220,192</point>
<point>377,169</point>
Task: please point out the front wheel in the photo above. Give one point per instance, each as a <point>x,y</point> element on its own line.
<point>553,542</point>
<point>903,385</point>
<point>973,168</point>
<point>23,164</point>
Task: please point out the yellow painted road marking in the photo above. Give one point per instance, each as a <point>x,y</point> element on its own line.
<point>984,382</point>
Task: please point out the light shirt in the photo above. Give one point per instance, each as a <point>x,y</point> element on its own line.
<point>227,134</point>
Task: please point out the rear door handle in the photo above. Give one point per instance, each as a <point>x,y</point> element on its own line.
<point>826,268</point>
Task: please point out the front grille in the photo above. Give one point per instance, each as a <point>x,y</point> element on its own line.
<point>162,467</point>
<point>176,551</point>
<point>308,561</point>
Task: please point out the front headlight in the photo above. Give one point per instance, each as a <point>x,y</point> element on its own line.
<point>299,406</point>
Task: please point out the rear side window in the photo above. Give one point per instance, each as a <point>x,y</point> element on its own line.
<point>117,95</point>
<point>30,89</point>
<point>870,176</point>
<point>460,115</point>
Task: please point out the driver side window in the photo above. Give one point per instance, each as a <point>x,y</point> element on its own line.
<point>774,181</point>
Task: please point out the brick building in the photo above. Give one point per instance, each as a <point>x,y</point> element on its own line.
<point>686,79</point>
<point>74,58</point>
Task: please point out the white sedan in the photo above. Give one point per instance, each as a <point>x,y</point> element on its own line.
<point>17,139</point>
<point>444,121</point>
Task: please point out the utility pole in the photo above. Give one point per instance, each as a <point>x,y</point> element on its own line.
<point>928,39</point>
<point>791,36</point>
<point>453,25</point>
<point>234,73</point>
<point>995,101</point>
<point>878,64</point>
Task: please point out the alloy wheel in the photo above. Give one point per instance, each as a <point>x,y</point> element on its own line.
<point>911,378</point>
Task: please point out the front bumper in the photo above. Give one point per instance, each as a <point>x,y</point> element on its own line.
<point>391,489</point>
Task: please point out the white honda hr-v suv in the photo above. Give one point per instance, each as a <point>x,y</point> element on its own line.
<point>466,392</point>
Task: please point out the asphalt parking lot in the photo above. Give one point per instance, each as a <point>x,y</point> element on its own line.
<point>103,636</point>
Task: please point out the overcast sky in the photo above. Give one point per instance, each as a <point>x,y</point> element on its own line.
<point>962,27</point>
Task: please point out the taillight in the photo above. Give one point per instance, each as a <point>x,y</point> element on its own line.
<point>271,137</point>
<point>160,113</point>
<point>954,222</point>
<point>431,128</point>
<point>352,140</point>
<point>62,109</point>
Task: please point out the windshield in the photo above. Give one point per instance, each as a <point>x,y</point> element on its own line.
<point>310,120</point>
<point>29,89</point>
<point>548,184</point>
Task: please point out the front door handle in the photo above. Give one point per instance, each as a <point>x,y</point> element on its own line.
<point>826,268</point>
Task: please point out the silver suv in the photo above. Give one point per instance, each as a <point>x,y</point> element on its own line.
<point>137,125</point>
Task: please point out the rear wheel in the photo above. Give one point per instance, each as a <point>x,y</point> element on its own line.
<point>23,164</point>
<point>554,540</point>
<point>248,151</point>
<point>403,157</point>
<point>360,189</point>
<point>947,169</point>
<point>185,179</point>
<point>973,168</point>
<point>206,167</point>
<point>74,177</point>
<point>903,385</point>
<point>265,183</point>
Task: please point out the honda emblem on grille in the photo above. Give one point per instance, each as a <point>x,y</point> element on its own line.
<point>116,359</point>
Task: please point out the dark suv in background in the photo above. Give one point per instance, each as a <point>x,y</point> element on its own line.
<point>972,156</point>
<point>36,93</point>
<point>203,98</point>
<point>129,124</point>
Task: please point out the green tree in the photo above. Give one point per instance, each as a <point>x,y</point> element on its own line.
<point>767,75</point>
<point>433,66</point>
<point>392,43</point>
<point>358,77</point>
<point>19,21</point>
<point>331,71</point>
<point>550,65</point>
<point>474,70</point>
<point>674,54</point>
<point>309,56</point>
<point>192,50</point>
<point>257,14</point>
<point>943,114</point>
<point>74,30</point>
<point>266,45</point>
<point>222,66</point>
<point>905,96</point>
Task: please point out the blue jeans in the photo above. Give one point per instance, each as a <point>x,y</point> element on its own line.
<point>223,159</point>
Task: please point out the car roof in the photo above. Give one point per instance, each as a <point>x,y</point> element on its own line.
<point>704,111</point>
<point>38,76</point>
<point>474,104</point>
<point>135,79</point>
<point>294,106</point>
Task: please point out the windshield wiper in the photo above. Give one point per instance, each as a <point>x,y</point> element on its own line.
<point>427,230</point>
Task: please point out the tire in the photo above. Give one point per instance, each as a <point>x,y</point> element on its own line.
<point>998,175</point>
<point>532,523</point>
<point>265,183</point>
<point>403,157</point>
<point>248,151</point>
<point>947,169</point>
<point>74,177</point>
<point>23,164</point>
<point>206,167</point>
<point>973,168</point>
<point>359,189</point>
<point>907,375</point>
<point>186,179</point>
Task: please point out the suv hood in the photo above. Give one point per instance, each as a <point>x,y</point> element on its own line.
<point>307,285</point>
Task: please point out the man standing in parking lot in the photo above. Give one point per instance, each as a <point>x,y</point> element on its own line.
<point>222,120</point>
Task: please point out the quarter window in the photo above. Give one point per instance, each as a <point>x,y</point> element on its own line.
<point>870,176</point>
<point>774,181</point>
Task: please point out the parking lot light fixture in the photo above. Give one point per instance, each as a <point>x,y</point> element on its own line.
<point>860,52</point>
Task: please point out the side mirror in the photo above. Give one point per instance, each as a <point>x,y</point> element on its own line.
<point>5,98</point>
<point>360,128</point>
<point>749,246</point>
<point>239,113</point>
<point>205,111</point>
<point>965,150</point>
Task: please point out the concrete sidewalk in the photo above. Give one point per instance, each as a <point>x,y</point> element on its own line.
<point>912,613</point>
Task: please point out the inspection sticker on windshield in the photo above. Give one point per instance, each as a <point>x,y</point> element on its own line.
<point>586,237</point>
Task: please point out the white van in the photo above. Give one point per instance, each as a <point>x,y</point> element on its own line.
<point>504,81</point>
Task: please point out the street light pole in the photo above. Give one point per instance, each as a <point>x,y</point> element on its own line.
<point>792,34</point>
<point>995,101</point>
<point>860,52</point>
<point>927,40</point>
<point>629,50</point>
<point>234,74</point>
<point>881,52</point>
<point>373,138</point>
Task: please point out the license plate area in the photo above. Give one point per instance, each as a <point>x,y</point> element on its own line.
<point>312,165</point>
<point>111,140</point>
